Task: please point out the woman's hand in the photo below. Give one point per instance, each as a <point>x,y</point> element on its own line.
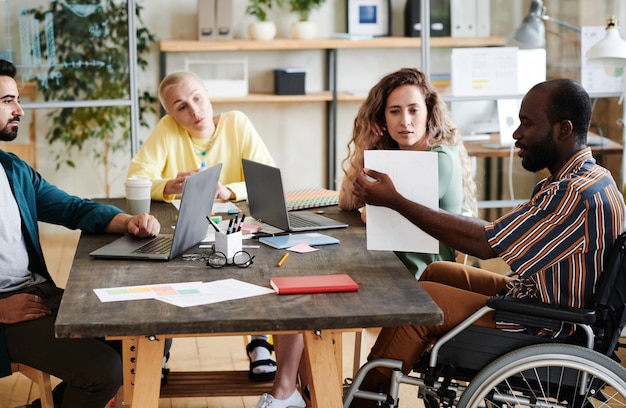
<point>223,192</point>
<point>175,186</point>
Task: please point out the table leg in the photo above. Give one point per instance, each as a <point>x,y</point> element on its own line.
<point>147,378</point>
<point>323,370</point>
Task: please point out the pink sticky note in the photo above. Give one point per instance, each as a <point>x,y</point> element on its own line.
<point>302,248</point>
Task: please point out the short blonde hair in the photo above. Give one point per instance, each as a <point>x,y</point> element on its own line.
<point>176,78</point>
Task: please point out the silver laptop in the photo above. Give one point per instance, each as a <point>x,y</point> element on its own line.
<point>191,226</point>
<point>266,200</point>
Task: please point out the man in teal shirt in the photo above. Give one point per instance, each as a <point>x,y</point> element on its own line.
<point>90,369</point>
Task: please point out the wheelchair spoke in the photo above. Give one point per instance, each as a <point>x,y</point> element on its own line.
<point>555,375</point>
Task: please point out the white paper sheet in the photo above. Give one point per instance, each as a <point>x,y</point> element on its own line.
<point>217,291</point>
<point>415,176</point>
<point>185,294</point>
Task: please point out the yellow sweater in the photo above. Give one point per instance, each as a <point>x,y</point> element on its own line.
<point>169,150</point>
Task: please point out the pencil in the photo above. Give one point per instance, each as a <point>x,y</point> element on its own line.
<point>282,260</point>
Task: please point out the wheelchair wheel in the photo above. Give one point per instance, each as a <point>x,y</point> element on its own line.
<point>548,375</point>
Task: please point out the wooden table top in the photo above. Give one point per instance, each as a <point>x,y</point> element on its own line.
<point>389,295</point>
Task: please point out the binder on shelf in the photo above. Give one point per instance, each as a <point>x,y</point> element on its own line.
<point>224,19</point>
<point>483,18</point>
<point>292,285</point>
<point>206,20</point>
<point>439,18</point>
<point>463,18</point>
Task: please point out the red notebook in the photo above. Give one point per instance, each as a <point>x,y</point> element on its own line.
<point>291,285</point>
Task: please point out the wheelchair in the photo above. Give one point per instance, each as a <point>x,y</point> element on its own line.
<point>473,366</point>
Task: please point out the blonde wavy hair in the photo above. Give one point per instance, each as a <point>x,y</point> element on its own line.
<point>440,130</point>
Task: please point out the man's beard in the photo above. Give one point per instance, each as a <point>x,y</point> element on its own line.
<point>540,157</point>
<point>9,133</point>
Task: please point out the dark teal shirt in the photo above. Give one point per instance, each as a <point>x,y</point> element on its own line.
<point>39,200</point>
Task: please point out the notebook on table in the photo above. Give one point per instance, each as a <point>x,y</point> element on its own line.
<point>191,225</point>
<point>266,199</point>
<point>289,240</point>
<point>292,285</point>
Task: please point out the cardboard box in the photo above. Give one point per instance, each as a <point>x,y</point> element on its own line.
<point>289,81</point>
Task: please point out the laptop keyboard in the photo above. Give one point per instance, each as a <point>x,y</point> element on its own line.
<point>297,221</point>
<point>160,245</point>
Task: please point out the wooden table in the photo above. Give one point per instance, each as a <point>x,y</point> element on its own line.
<point>389,296</point>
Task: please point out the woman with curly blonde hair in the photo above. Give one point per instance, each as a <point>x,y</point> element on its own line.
<point>403,111</point>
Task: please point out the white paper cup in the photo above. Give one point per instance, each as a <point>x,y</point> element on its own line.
<point>138,195</point>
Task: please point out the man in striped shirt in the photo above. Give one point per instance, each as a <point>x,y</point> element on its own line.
<point>556,243</point>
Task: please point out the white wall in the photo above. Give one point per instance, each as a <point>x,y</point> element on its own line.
<point>293,132</point>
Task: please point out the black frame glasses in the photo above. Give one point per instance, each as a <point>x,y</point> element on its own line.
<point>241,259</point>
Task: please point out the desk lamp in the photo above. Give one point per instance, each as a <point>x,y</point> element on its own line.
<point>532,30</point>
<point>610,52</point>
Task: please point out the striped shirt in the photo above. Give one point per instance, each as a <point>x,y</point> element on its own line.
<point>558,241</point>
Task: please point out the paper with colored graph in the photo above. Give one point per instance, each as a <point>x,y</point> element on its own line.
<point>184,294</point>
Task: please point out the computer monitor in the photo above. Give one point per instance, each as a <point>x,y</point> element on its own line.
<point>475,117</point>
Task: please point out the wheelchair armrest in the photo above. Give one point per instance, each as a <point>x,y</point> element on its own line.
<point>542,310</point>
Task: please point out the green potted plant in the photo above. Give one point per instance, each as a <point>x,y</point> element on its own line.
<point>304,29</point>
<point>262,29</point>
<point>75,128</point>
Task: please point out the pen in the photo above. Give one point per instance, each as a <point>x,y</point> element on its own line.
<point>243,217</point>
<point>214,225</point>
<point>283,259</point>
<point>230,225</point>
<point>235,224</point>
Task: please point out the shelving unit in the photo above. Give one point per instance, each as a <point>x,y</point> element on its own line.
<point>330,96</point>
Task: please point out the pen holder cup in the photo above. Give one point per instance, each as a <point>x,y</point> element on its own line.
<point>228,244</point>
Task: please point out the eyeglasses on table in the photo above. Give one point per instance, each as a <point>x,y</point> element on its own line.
<point>242,259</point>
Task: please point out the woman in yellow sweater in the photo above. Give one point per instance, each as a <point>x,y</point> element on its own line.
<point>190,138</point>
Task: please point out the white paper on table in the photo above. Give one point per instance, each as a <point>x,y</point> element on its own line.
<point>185,294</point>
<point>147,291</point>
<point>217,291</point>
<point>415,175</point>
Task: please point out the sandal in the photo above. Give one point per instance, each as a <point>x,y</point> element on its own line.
<point>260,377</point>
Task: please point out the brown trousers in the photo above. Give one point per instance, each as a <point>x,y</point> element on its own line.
<point>459,290</point>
